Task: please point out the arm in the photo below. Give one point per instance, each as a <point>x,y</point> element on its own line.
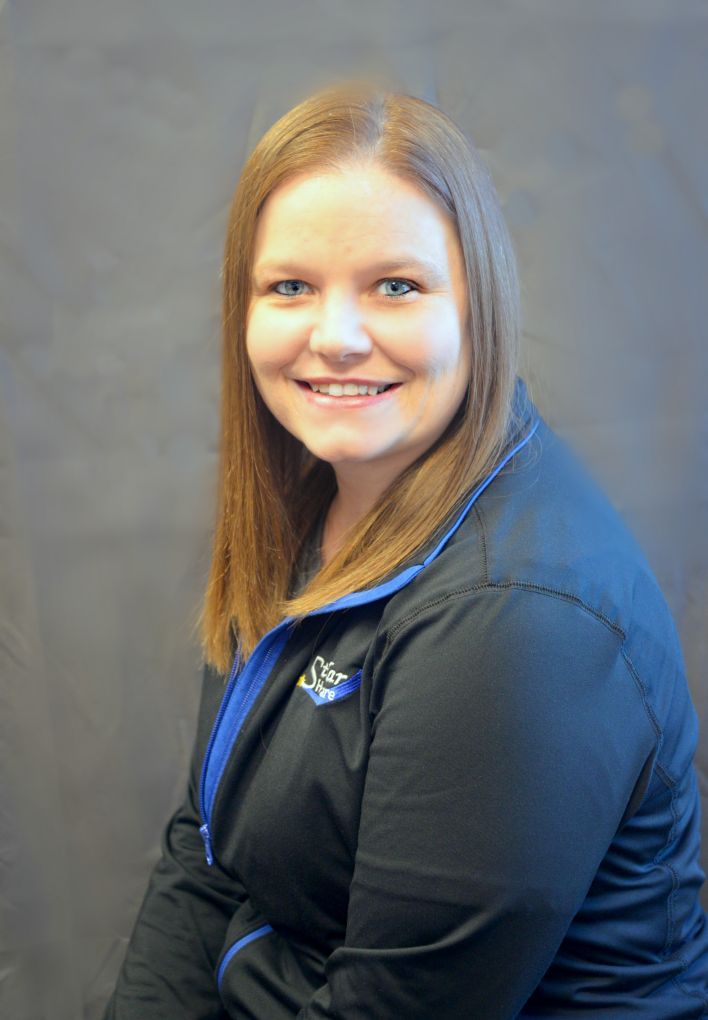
<point>507,741</point>
<point>168,969</point>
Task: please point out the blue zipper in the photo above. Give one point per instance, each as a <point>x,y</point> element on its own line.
<point>204,830</point>
<point>271,644</point>
<point>220,745</point>
<point>256,933</point>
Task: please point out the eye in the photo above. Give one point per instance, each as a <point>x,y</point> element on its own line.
<point>397,294</point>
<point>282,283</point>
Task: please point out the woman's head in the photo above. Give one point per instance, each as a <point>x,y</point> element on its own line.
<point>359,283</point>
<point>355,125</point>
<point>290,205</point>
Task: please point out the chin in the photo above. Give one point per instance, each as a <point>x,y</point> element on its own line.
<point>339,456</point>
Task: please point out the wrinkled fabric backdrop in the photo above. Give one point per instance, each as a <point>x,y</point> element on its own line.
<point>123,129</point>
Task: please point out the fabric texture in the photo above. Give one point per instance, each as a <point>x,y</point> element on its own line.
<point>468,792</point>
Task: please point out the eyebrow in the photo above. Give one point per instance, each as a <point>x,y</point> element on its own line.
<point>414,263</point>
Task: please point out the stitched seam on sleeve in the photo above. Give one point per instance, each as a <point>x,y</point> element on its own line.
<point>641,687</point>
<point>665,866</point>
<point>670,782</point>
<point>483,535</point>
<point>566,596</point>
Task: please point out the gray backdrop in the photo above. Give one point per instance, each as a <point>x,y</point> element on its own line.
<point>123,128</point>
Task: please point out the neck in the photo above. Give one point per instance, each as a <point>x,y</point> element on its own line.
<point>357,491</point>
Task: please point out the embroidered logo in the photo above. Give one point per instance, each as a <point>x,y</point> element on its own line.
<point>324,683</point>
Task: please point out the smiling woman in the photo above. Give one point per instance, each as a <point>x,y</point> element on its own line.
<point>450,773</point>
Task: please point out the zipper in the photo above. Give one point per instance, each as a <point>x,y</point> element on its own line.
<point>204,830</point>
<point>272,643</point>
<point>243,941</point>
<point>251,679</point>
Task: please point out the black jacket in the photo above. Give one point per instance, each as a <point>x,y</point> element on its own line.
<point>466,793</point>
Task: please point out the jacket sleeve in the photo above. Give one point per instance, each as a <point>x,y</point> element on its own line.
<point>168,970</point>
<point>508,739</point>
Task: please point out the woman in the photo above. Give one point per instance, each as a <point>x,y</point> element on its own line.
<point>451,773</point>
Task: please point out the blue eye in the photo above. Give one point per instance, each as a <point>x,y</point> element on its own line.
<point>405,283</point>
<point>280,284</point>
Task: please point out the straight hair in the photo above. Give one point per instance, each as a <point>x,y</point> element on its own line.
<point>271,490</point>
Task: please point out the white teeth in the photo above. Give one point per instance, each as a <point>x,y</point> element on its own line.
<point>348,389</point>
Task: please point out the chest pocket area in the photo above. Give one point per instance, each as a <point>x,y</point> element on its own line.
<point>325,685</point>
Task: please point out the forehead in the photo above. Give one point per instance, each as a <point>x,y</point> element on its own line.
<point>359,206</point>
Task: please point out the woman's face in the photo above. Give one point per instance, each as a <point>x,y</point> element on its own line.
<point>358,284</point>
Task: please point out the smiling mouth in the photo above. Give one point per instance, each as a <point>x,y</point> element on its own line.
<point>347,389</point>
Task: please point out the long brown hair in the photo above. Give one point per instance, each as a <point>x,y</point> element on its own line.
<point>271,490</point>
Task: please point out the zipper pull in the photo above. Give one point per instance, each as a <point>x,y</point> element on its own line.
<point>206,836</point>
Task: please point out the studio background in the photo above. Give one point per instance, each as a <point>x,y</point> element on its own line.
<point>123,129</point>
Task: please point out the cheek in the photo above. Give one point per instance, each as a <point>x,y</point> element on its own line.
<point>434,345</point>
<point>436,356</point>
<point>270,341</point>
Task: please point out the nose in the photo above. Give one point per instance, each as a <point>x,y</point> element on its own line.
<point>339,331</point>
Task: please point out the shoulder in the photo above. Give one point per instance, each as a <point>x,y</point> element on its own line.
<point>547,523</point>
<point>543,567</point>
<point>549,527</point>
<point>543,524</point>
